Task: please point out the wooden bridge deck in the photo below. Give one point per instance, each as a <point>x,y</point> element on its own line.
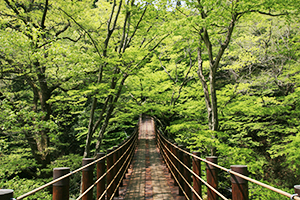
<point>149,179</point>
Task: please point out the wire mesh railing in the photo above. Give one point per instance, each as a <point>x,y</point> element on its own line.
<point>111,169</point>
<point>178,161</point>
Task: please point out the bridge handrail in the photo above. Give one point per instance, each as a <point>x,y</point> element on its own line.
<point>77,170</point>
<point>128,157</point>
<point>87,190</point>
<point>292,196</point>
<point>191,171</point>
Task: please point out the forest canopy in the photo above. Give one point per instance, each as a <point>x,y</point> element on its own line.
<point>219,76</point>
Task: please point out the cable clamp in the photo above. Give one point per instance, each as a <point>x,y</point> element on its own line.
<point>294,195</point>
<point>229,171</point>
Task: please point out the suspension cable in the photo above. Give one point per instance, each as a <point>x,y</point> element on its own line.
<point>108,186</point>
<point>73,172</point>
<point>91,187</point>
<point>164,155</point>
<point>191,171</point>
<point>235,173</point>
<point>131,154</point>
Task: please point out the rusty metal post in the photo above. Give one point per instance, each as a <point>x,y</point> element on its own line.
<point>87,178</point>
<point>180,169</point>
<point>110,174</point>
<point>239,185</point>
<point>170,146</point>
<point>212,178</point>
<point>115,171</point>
<point>100,172</point>
<point>187,174</point>
<point>6,194</point>
<point>196,181</point>
<point>60,189</point>
<point>120,153</point>
<point>161,150</point>
<point>175,163</point>
<point>128,152</point>
<point>169,158</point>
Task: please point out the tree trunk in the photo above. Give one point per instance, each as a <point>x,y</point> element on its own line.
<point>89,136</point>
<point>210,99</point>
<point>110,110</point>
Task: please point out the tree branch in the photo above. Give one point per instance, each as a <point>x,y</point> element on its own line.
<point>264,13</point>
<point>63,30</point>
<point>136,27</point>
<point>44,14</point>
<point>90,36</point>
<point>166,70</point>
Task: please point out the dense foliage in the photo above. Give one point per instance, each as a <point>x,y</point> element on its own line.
<point>219,76</point>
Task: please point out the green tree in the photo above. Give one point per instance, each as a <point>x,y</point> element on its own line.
<point>213,23</point>
<point>126,42</point>
<point>36,61</point>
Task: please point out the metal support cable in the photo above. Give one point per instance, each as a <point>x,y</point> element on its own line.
<point>100,178</point>
<point>73,172</point>
<point>191,171</point>
<point>235,173</point>
<point>108,186</point>
<point>112,181</point>
<point>130,155</point>
<point>186,196</point>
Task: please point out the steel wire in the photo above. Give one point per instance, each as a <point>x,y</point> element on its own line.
<point>100,178</point>
<point>130,155</point>
<point>235,173</point>
<point>112,181</point>
<point>73,172</point>
<point>192,172</point>
<point>164,155</point>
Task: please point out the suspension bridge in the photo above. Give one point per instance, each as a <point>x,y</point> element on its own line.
<point>147,166</point>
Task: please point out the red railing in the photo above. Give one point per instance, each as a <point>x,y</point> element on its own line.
<point>183,165</point>
<point>109,174</point>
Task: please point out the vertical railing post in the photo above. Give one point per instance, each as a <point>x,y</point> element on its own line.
<point>100,172</point>
<point>212,177</point>
<point>121,152</point>
<point>187,174</point>
<point>60,189</point>
<point>161,148</point>
<point>180,169</point>
<point>239,185</point>
<point>165,146</point>
<point>115,171</point>
<point>175,163</point>
<point>6,194</point>
<point>297,189</point>
<point>196,181</point>
<point>87,178</point>
<point>168,145</point>
<point>132,150</point>
<point>127,146</point>
<point>172,159</point>
<point>110,175</point>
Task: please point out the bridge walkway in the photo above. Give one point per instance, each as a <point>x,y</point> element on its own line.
<point>149,179</point>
